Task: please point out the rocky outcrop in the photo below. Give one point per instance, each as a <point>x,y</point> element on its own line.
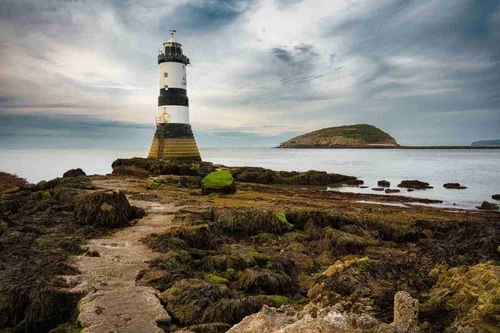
<point>414,184</point>
<point>455,186</point>
<point>331,319</point>
<point>361,135</point>
<point>220,181</point>
<point>74,173</point>
<point>495,196</point>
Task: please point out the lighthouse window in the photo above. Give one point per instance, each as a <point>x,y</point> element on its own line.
<point>165,74</point>
<point>165,86</point>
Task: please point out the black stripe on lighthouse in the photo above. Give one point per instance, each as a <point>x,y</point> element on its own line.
<point>173,96</point>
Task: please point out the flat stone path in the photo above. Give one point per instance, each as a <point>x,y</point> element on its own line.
<point>115,303</point>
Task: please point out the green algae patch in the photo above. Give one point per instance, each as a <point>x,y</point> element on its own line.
<point>216,278</point>
<point>152,185</point>
<point>278,300</point>
<point>220,181</point>
<point>283,220</point>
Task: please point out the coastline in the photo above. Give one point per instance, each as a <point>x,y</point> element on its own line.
<point>393,147</point>
<point>281,244</point>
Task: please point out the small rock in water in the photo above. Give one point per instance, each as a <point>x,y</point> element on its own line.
<point>495,196</point>
<point>355,182</point>
<point>410,190</point>
<point>380,189</point>
<point>456,186</point>
<point>487,206</point>
<point>415,184</point>
<point>389,190</point>
<point>384,183</point>
<point>364,186</point>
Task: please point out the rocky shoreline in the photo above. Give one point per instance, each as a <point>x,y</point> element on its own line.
<point>280,254</point>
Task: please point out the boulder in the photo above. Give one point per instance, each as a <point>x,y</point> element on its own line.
<point>495,196</point>
<point>383,183</point>
<point>103,208</point>
<point>220,181</point>
<point>415,184</point>
<point>379,189</point>
<point>455,186</point>
<point>74,173</point>
<point>487,206</point>
<point>392,190</point>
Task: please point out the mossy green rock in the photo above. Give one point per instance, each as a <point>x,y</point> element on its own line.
<point>220,181</point>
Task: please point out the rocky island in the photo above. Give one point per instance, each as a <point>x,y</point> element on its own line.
<point>166,247</point>
<point>351,136</point>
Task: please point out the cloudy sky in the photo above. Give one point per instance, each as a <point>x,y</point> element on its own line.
<point>84,73</point>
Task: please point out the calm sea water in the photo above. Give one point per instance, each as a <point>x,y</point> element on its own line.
<point>476,169</point>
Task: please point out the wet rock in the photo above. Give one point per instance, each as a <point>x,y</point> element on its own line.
<point>496,197</point>
<point>415,184</point>
<point>455,186</point>
<point>410,190</point>
<point>104,208</point>
<point>390,190</point>
<point>487,206</point>
<point>379,189</point>
<point>220,181</point>
<point>383,183</point>
<point>74,173</point>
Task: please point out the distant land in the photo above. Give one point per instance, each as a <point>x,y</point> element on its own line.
<point>355,136</point>
<point>365,136</point>
<point>486,143</point>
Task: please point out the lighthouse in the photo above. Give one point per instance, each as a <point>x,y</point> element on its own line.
<point>173,138</point>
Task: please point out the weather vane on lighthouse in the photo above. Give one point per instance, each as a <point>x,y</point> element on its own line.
<point>173,138</point>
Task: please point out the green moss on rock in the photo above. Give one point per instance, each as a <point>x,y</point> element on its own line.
<point>220,181</point>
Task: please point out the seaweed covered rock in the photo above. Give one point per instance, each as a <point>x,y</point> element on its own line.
<point>103,208</point>
<point>248,222</point>
<point>187,299</point>
<point>220,181</point>
<point>466,296</point>
<point>233,310</point>
<point>259,281</point>
<point>74,173</point>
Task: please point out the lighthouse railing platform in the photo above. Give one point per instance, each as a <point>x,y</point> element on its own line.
<point>162,57</point>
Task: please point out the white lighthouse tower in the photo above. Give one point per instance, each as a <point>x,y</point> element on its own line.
<point>173,139</point>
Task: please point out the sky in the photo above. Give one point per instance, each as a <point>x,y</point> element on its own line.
<point>85,74</point>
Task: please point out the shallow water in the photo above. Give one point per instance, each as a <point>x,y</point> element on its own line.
<point>476,169</point>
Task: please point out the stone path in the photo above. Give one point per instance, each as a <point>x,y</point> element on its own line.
<point>115,303</point>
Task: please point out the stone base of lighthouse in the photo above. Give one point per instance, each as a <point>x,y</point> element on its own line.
<point>174,142</point>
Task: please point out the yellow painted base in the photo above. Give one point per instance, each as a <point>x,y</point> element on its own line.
<point>174,149</point>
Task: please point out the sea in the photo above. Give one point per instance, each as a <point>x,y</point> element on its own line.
<point>478,170</point>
